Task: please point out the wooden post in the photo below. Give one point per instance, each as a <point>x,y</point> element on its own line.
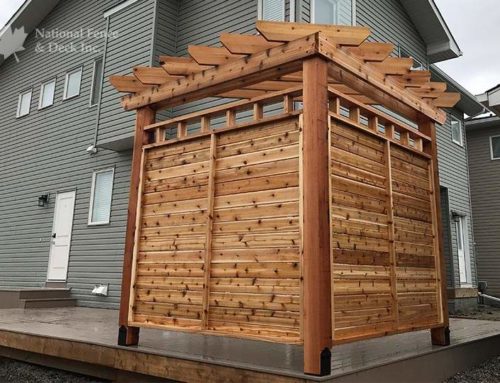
<point>317,313</point>
<point>128,336</point>
<point>440,335</point>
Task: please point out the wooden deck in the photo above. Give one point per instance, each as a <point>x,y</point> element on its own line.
<point>85,339</point>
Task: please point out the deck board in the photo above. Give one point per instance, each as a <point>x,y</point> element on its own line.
<point>275,362</point>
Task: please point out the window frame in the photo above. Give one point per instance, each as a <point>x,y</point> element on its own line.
<point>92,86</point>
<point>493,158</point>
<point>19,98</point>
<point>313,12</point>
<point>92,196</point>
<point>260,10</point>
<point>68,73</point>
<point>353,12</point>
<point>42,85</point>
<point>461,142</point>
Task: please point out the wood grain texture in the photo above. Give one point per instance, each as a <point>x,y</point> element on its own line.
<point>316,216</point>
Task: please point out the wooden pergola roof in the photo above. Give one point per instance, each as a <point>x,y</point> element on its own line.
<point>248,66</point>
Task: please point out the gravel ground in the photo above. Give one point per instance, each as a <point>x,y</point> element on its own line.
<point>488,372</point>
<point>17,372</point>
<point>482,312</point>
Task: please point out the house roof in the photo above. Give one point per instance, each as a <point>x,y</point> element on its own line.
<point>468,103</point>
<point>424,13</point>
<point>29,15</point>
<point>491,99</point>
<point>483,122</point>
<point>441,45</point>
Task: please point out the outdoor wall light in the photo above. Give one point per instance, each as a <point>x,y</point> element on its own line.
<point>43,200</point>
<point>456,216</point>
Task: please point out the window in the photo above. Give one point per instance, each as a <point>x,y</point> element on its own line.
<point>24,104</point>
<point>271,10</point>
<point>332,12</point>
<point>95,92</point>
<point>495,147</point>
<point>72,84</point>
<point>462,249</point>
<point>100,197</point>
<point>47,90</point>
<point>456,131</point>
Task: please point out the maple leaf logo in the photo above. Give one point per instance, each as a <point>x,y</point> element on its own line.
<point>12,41</point>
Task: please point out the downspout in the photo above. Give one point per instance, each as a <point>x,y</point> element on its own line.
<point>98,117</point>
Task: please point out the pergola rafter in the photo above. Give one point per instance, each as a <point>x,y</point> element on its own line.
<point>247,66</point>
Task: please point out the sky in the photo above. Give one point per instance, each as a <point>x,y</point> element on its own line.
<point>475,25</point>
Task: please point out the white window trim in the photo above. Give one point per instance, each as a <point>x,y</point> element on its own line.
<point>461,142</point>
<point>93,82</point>
<point>493,158</point>
<point>293,11</point>
<point>260,10</point>
<point>30,91</point>
<point>74,70</point>
<point>54,80</point>
<point>92,189</point>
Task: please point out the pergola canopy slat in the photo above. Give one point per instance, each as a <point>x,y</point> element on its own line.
<point>250,65</point>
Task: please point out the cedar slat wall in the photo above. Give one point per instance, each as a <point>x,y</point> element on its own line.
<point>253,273</point>
<point>384,263</point>
<point>219,246</point>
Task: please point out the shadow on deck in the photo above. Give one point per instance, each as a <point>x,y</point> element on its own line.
<point>84,340</point>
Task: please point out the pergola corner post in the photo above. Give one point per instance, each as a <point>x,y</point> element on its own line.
<point>129,336</point>
<point>440,336</point>
<point>317,313</point>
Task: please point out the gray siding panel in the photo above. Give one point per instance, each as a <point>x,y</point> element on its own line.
<point>485,190</point>
<point>132,47</point>
<point>44,152</point>
<point>389,22</point>
<point>454,175</point>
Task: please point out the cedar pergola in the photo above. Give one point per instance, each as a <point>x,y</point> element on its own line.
<point>371,266</point>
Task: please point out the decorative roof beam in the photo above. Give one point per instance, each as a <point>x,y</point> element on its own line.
<point>128,84</point>
<point>153,76</point>
<point>272,63</point>
<point>246,44</point>
<point>371,51</point>
<point>343,35</point>
<point>211,55</point>
<point>365,79</point>
<point>182,66</point>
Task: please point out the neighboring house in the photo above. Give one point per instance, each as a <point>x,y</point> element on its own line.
<point>483,136</point>
<point>57,107</point>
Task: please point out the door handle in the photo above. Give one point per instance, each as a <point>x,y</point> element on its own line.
<point>54,235</point>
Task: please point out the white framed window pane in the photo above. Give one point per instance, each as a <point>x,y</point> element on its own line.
<point>47,94</point>
<point>96,82</point>
<point>102,192</point>
<point>326,11</point>
<point>495,147</point>
<point>73,80</point>
<point>273,10</point>
<point>456,131</point>
<point>24,104</point>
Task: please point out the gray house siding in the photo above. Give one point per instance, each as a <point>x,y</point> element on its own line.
<point>132,47</point>
<point>454,175</point>
<point>485,186</point>
<point>389,22</point>
<point>45,152</point>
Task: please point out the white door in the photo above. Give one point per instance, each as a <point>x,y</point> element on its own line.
<point>462,250</point>
<point>61,236</point>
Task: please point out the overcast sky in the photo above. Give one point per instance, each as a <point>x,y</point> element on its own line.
<point>474,23</point>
